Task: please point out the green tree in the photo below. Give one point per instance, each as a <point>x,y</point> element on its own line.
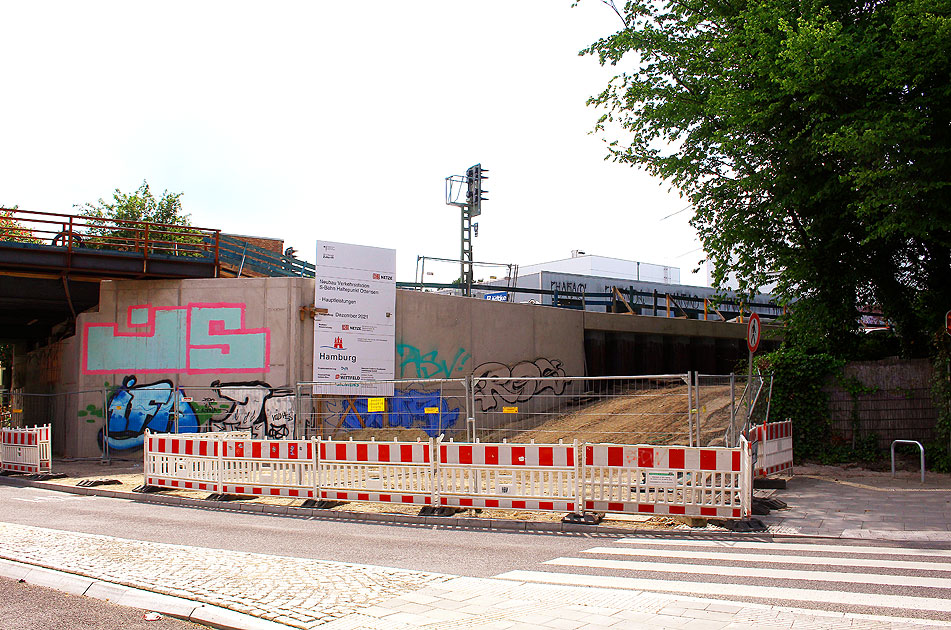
<point>813,141</point>
<point>118,224</point>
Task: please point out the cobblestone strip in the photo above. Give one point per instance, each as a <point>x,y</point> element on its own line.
<point>299,592</point>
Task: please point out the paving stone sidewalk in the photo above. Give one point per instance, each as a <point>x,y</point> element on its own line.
<point>305,593</point>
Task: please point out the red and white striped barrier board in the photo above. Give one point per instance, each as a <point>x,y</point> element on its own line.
<point>379,472</point>
<point>26,450</point>
<point>703,482</point>
<point>182,461</point>
<point>540,477</point>
<point>773,444</point>
<point>277,468</point>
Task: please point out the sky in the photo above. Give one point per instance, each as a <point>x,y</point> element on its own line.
<point>340,121</point>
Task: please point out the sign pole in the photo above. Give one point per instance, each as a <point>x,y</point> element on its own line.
<point>753,334</point>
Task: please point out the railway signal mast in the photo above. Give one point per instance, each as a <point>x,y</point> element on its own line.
<point>471,207</point>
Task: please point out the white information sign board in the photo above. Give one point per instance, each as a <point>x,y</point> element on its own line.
<point>355,341</point>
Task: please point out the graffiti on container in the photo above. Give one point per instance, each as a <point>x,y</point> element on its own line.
<point>429,364</point>
<point>497,384</point>
<point>406,409</point>
<point>256,407</point>
<point>199,338</point>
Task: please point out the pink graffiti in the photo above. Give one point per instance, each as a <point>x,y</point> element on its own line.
<point>198,338</point>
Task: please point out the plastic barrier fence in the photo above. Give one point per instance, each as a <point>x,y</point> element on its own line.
<point>26,450</point>
<point>509,476</point>
<point>182,462</point>
<point>285,468</point>
<point>702,482</point>
<point>381,472</point>
<point>773,448</point>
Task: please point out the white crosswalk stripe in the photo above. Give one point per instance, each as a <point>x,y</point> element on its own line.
<point>888,580</point>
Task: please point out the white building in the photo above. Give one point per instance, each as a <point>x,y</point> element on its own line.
<point>605,267</point>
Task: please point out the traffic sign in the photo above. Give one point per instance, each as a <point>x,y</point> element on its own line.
<point>753,332</point>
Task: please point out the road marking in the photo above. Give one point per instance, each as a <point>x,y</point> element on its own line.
<point>779,546</point>
<point>755,572</point>
<point>748,557</point>
<point>871,600</point>
<point>44,499</point>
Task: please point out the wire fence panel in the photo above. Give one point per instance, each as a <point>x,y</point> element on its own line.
<point>68,414</point>
<point>632,409</point>
<point>883,415</point>
<point>418,409</point>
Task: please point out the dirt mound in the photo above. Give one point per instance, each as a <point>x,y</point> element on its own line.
<point>656,416</point>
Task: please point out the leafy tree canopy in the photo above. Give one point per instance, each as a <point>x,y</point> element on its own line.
<point>141,206</point>
<point>813,139</point>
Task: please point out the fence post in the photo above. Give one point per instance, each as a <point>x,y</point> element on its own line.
<point>297,411</point>
<point>106,455</point>
<point>316,443</point>
<point>470,408</point>
<point>690,407</point>
<point>732,406</point>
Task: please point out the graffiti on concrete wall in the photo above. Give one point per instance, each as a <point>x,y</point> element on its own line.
<point>497,384</point>
<point>199,338</point>
<point>266,412</point>
<point>414,363</point>
<point>430,412</point>
<point>255,407</point>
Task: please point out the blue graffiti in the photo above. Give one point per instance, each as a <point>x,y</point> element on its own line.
<point>409,409</point>
<point>135,408</point>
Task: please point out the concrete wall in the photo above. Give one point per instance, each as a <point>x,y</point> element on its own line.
<point>225,354</point>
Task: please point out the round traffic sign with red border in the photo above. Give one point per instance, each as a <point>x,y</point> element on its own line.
<point>754,331</point>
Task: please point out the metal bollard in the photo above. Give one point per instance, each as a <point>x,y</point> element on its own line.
<point>921,449</point>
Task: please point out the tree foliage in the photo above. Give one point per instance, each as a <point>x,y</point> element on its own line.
<point>813,140</point>
<point>139,206</point>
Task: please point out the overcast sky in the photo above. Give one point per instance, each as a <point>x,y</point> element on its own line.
<point>333,121</point>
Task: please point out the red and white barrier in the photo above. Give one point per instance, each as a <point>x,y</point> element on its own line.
<point>702,482</point>
<point>277,468</point>
<point>380,472</point>
<point>182,461</point>
<point>508,476</point>
<point>773,448</point>
<point>26,450</point>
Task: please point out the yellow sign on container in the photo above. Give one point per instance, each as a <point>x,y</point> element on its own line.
<point>509,409</point>
<point>376,404</point>
<point>431,409</point>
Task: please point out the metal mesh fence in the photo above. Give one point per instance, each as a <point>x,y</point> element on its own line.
<point>407,410</point>
<point>65,412</point>
<point>628,410</point>
<point>884,415</point>
<point>727,403</point>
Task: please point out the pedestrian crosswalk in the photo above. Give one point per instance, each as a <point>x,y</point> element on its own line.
<point>847,576</point>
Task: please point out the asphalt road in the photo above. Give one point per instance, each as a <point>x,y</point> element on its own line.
<point>423,548</point>
<point>29,607</point>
